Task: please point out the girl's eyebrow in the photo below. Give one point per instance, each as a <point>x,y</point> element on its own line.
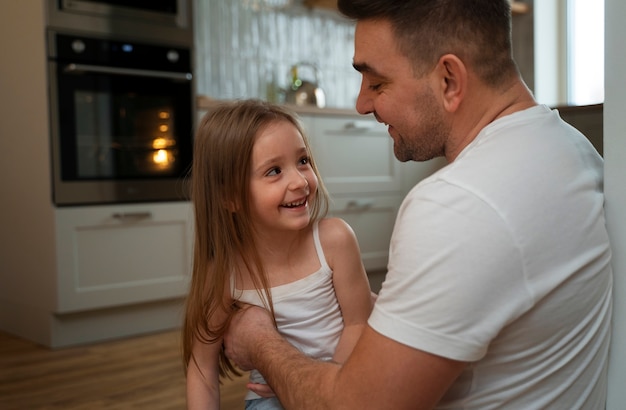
<point>265,164</point>
<point>273,160</point>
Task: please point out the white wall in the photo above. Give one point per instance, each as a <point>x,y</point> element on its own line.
<point>615,188</point>
<point>27,253</point>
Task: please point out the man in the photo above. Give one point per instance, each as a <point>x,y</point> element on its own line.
<point>498,291</point>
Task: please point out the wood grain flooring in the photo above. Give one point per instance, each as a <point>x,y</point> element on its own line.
<point>137,373</point>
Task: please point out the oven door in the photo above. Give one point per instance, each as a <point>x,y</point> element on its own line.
<point>119,135</point>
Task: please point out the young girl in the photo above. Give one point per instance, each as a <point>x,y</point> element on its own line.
<point>261,238</point>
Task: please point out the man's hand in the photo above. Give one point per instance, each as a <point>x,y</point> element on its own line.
<point>249,326</point>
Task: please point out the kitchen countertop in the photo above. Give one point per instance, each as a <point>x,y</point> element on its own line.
<point>204,102</point>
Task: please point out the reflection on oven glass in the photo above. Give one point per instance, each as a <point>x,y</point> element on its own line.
<point>124,136</point>
<point>163,144</point>
<point>163,159</point>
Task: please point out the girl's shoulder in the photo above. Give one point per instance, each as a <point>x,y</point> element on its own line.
<point>335,232</point>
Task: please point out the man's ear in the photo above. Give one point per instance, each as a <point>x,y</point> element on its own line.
<point>453,81</point>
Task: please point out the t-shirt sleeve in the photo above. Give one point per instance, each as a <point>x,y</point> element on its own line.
<point>455,276</point>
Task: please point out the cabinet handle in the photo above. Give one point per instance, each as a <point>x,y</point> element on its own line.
<point>358,126</point>
<point>84,68</point>
<point>359,205</point>
<point>123,216</point>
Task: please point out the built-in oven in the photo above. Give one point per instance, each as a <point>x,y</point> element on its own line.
<point>122,114</point>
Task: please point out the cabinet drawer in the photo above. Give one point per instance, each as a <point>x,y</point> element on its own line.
<point>117,255</point>
<point>354,154</point>
<point>372,219</point>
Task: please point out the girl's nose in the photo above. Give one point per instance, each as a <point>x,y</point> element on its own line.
<point>299,181</point>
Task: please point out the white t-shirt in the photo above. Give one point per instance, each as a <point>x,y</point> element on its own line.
<point>502,259</point>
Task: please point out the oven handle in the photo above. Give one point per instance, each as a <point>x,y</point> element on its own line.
<point>84,68</point>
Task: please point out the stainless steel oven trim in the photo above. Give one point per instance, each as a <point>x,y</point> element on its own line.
<point>181,19</point>
<point>140,26</point>
<point>86,68</point>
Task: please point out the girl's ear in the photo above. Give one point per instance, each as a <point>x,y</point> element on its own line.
<point>231,206</point>
<point>452,80</point>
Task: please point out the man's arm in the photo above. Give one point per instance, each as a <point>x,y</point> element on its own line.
<point>380,373</point>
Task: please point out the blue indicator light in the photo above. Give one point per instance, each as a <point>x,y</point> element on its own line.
<point>127,48</point>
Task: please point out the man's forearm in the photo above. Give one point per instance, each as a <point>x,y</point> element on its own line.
<point>299,382</point>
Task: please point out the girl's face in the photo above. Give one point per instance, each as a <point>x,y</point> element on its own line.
<point>282,182</point>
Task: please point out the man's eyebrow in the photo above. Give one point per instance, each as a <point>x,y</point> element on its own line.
<point>363,68</point>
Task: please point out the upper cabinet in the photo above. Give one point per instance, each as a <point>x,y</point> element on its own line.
<point>325,4</point>
<point>518,7</point>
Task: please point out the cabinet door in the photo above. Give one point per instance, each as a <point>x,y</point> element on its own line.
<point>115,255</point>
<point>372,218</point>
<point>354,154</point>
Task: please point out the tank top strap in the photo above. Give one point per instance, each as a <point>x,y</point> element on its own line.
<point>318,246</point>
<point>231,278</point>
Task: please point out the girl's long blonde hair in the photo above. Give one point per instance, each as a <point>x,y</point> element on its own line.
<point>219,187</point>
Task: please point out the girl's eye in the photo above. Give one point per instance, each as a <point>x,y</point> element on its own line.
<point>305,160</point>
<point>273,171</point>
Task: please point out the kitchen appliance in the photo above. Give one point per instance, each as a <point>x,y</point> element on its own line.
<point>154,20</point>
<point>122,116</point>
<point>121,99</point>
<point>303,92</point>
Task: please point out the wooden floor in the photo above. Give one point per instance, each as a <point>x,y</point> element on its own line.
<point>138,373</point>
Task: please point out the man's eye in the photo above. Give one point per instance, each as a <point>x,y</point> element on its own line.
<point>374,87</point>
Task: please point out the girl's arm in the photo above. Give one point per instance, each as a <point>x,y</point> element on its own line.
<point>203,390</point>
<point>350,281</point>
<point>203,387</point>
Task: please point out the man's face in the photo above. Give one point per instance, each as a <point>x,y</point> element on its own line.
<point>409,106</point>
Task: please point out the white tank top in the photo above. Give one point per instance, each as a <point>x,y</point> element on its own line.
<point>307,311</point>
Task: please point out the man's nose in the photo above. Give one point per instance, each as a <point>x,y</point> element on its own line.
<point>364,101</point>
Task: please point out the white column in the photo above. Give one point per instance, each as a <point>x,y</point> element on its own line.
<point>615,188</point>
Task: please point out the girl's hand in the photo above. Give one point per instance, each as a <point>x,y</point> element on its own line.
<point>262,390</point>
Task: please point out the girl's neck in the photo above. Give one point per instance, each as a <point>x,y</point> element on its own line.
<point>278,243</point>
<point>285,257</point>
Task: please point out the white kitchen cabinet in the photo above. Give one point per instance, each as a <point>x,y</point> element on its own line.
<point>116,255</point>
